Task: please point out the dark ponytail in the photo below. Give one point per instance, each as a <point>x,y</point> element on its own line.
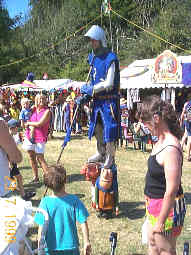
<point>154,105</point>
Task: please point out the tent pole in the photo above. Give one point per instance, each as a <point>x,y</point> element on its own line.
<point>165,92</point>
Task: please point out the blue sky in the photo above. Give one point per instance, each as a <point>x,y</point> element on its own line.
<point>16,6</point>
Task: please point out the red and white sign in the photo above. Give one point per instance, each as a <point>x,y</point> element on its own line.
<point>167,69</point>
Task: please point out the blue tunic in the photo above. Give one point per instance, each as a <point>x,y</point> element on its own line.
<point>107,106</point>
<point>67,116</point>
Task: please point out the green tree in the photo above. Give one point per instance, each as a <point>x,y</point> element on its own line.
<point>169,25</point>
<point>48,35</point>
<point>51,38</point>
<point>6,36</point>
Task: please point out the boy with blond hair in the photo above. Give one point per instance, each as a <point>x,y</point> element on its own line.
<point>25,115</point>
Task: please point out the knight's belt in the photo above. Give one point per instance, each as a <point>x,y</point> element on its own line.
<point>105,97</point>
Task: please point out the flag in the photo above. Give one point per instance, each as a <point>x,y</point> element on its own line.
<point>186,74</point>
<point>106,7</point>
<point>67,138</point>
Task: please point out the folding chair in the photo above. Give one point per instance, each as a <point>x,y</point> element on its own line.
<point>136,138</point>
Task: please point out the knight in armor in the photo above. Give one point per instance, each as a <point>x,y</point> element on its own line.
<point>103,91</point>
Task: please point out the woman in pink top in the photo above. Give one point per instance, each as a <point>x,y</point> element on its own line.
<point>40,120</point>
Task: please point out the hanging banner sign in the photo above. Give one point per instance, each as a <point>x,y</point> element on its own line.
<point>167,69</point>
<point>106,7</point>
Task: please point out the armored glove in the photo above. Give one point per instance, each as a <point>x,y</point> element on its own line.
<point>87,90</point>
<point>83,99</point>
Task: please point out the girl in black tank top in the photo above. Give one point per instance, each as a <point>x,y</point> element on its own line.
<point>155,182</point>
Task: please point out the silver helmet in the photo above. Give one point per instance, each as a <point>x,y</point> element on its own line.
<point>97,33</point>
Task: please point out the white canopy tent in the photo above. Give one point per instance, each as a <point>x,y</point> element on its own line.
<point>72,84</point>
<point>48,85</point>
<point>138,76</point>
<point>14,86</point>
<point>20,87</point>
<point>52,84</point>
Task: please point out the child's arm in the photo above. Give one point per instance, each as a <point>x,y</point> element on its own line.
<point>87,245</point>
<point>21,118</point>
<point>39,233</point>
<point>32,131</point>
<point>33,108</point>
<point>22,124</point>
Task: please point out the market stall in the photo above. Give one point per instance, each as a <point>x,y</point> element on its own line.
<point>167,73</point>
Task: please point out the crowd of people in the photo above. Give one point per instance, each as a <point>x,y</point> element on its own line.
<point>34,122</point>
<point>164,197</point>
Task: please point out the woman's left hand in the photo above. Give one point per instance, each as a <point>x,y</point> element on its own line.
<point>158,228</point>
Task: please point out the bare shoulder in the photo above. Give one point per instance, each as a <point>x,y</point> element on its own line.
<point>173,148</point>
<point>46,112</point>
<point>173,151</point>
<point>173,144</point>
<point>170,149</point>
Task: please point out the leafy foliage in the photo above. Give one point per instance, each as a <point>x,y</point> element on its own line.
<point>78,70</point>
<point>171,26</point>
<point>51,38</point>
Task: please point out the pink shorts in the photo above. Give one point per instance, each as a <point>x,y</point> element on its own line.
<point>175,220</point>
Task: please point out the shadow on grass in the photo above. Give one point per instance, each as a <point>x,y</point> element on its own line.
<point>73,137</point>
<point>74,178</point>
<point>35,202</point>
<point>33,231</point>
<point>80,195</point>
<point>187,198</point>
<point>33,186</point>
<point>34,244</point>
<point>24,167</point>
<point>127,254</point>
<point>128,209</point>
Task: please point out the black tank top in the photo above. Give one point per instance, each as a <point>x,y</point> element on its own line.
<point>155,183</point>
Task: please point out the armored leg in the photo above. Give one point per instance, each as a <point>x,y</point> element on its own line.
<point>101,147</point>
<point>110,155</point>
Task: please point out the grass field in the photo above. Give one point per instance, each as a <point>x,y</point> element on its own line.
<point>131,173</point>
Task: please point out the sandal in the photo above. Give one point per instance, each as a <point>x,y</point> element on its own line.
<point>28,195</point>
